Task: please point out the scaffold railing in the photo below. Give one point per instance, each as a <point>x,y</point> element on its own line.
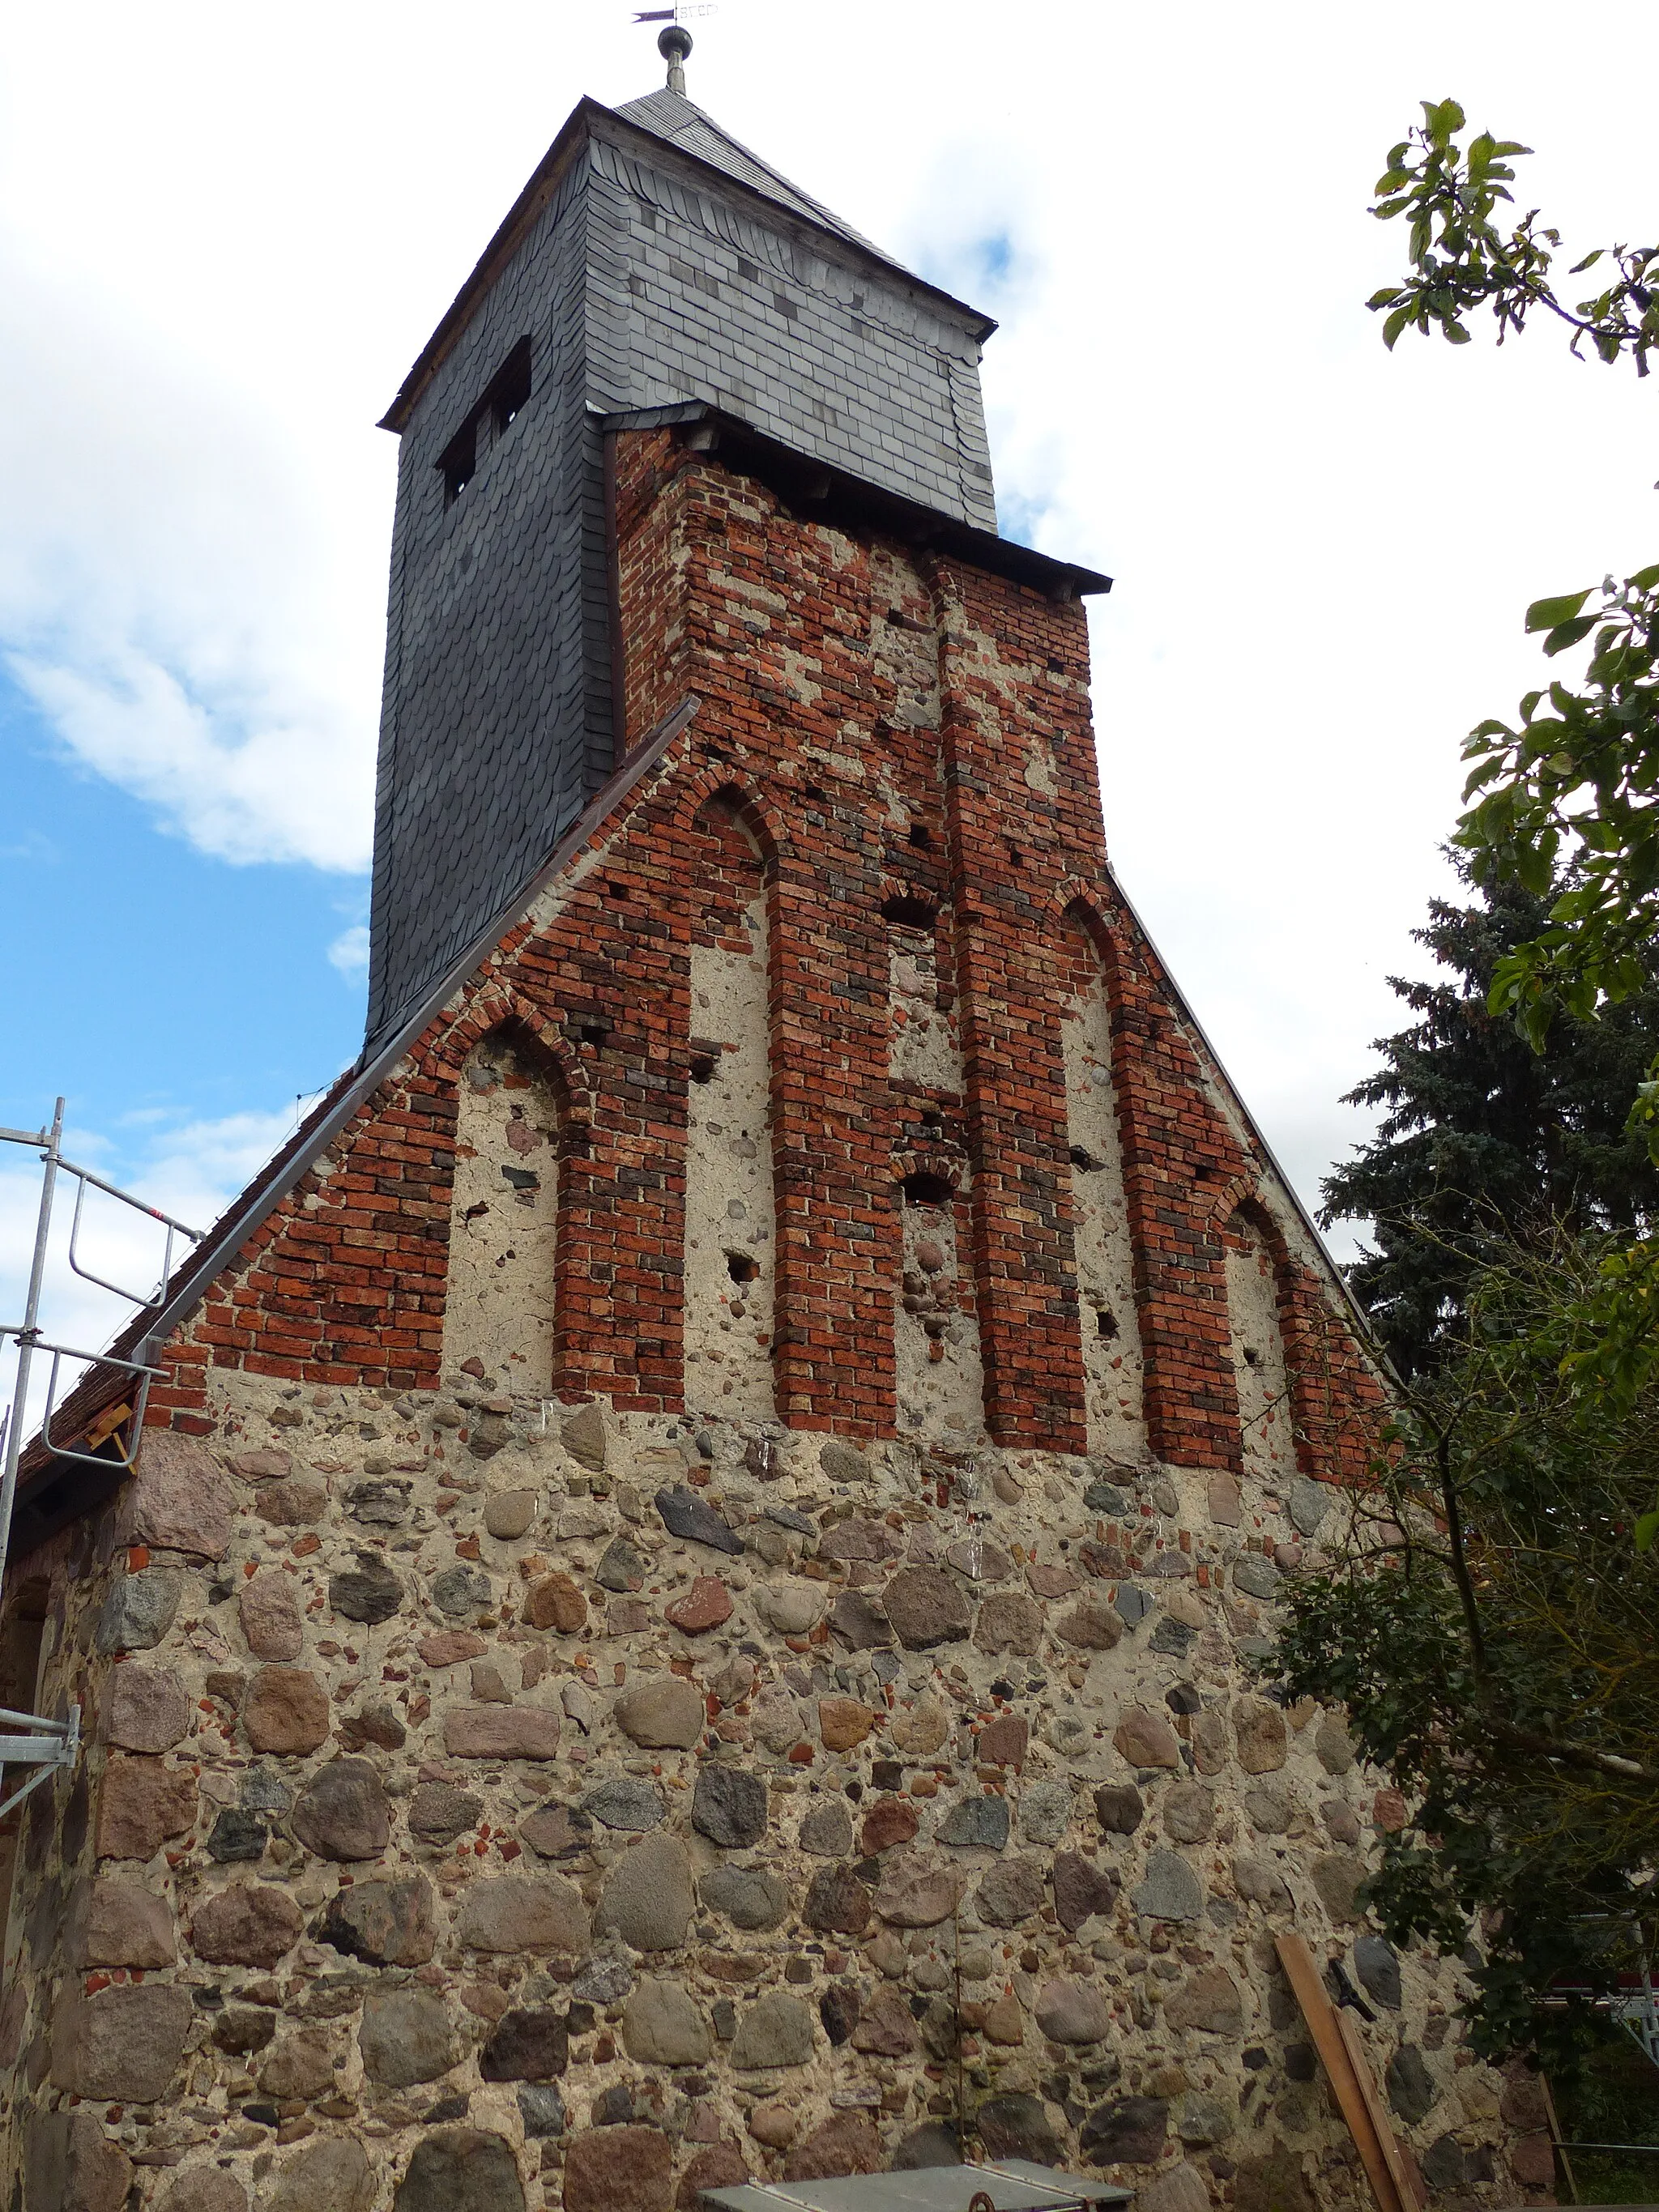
<point>28,1739</point>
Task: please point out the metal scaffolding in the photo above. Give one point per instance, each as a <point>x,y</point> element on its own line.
<point>46,1745</point>
<point>1637,2010</point>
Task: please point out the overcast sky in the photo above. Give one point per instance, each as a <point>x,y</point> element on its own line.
<point>225,233</point>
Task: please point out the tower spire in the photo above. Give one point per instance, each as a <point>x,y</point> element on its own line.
<point>674,43</point>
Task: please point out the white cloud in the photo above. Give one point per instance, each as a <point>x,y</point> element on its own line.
<point>220,257</point>
<point>172,597</point>
<point>241,793</point>
<point>197,1169</point>
<point>349,952</point>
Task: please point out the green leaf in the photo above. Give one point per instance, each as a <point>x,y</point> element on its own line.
<point>1547,614</point>
<point>1646,1529</point>
<point>1396,323</point>
<point>1644,579</point>
<point>1589,262</point>
<point>1480,777</point>
<point>1532,866</point>
<point>1568,633</point>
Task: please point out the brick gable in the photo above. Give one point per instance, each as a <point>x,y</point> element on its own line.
<point>897,731</point>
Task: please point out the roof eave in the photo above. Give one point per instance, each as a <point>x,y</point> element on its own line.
<point>812,484</point>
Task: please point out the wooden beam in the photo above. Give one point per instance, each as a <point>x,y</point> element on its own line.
<point>1399,2172</point>
<point>1342,2054</point>
<point>1573,2193</point>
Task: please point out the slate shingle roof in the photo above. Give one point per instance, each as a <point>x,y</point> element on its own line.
<point>669,115</point>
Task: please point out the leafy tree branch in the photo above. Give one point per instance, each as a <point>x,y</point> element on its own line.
<point>1486,1621</point>
<point>1461,260</point>
<point>1571,788</point>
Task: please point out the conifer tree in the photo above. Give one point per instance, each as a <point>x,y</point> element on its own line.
<point>1482,1138</point>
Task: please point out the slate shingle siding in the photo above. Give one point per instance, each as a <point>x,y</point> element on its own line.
<point>642,283</point>
<point>496,725</point>
<point>834,358</point>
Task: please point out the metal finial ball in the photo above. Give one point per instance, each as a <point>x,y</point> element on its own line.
<point>673,42</point>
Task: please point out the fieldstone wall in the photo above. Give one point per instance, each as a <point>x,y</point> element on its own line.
<point>490,1806</point>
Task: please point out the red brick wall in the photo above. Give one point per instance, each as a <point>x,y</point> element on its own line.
<point>770,619</point>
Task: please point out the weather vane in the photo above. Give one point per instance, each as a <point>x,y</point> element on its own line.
<point>674,41</point>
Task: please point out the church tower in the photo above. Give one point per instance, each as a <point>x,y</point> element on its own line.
<point>651,263</point>
<point>687,1604</point>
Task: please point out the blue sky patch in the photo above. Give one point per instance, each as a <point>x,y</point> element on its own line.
<point>155,987</point>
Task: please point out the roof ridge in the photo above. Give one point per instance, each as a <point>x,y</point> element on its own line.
<point>645,113</point>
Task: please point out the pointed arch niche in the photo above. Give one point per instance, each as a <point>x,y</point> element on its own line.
<point>503,1233</point>
<point>1113,1367</point>
<point>1261,1371</point>
<point>731,1252</point>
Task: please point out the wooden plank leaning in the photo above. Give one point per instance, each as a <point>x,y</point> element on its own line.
<point>1411,2196</point>
<point>1342,2054</point>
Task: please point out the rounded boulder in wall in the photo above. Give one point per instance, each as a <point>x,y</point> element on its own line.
<point>461,2170</point>
<point>926,1608</point>
<point>662,1713</point>
<point>647,1898</point>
